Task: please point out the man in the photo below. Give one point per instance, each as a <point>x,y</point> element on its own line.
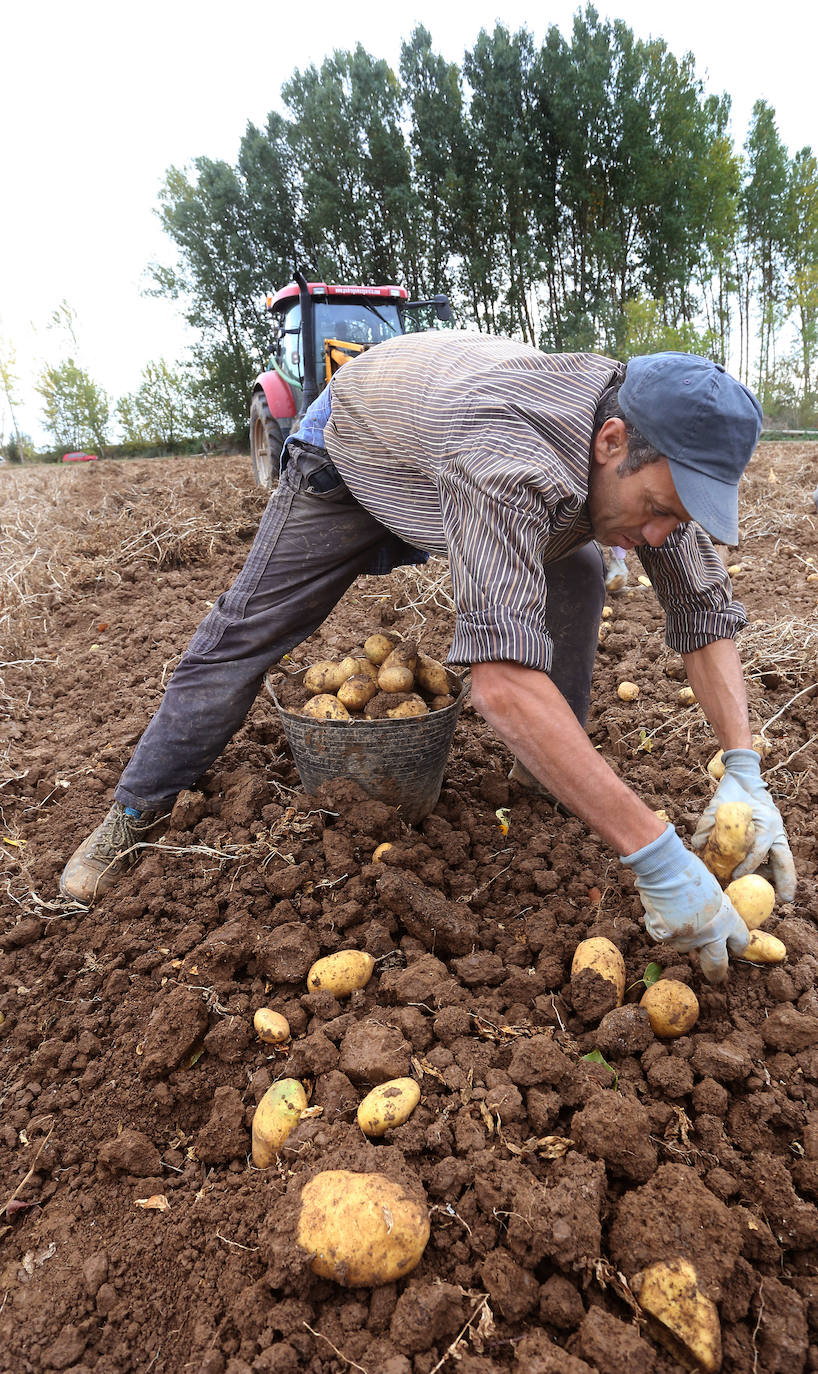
<point>513,463</point>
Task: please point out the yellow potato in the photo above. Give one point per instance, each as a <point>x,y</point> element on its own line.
<point>379,646</point>
<point>686,1321</point>
<point>397,672</point>
<point>603,957</point>
<point>687,696</point>
<point>764,949</point>
<point>271,1026</point>
<point>366,669</point>
<point>734,568</point>
<point>627,691</point>
<point>388,1105</point>
<point>644,581</point>
<point>324,676</point>
<point>413,705</point>
<point>361,1229</point>
<point>325,707</point>
<point>716,766</point>
<point>673,1008</point>
<point>380,851</point>
<point>341,973</point>
<point>753,897</point>
<point>762,746</point>
<point>277,1114</point>
<point>661,815</point>
<point>432,676</point>
<point>349,667</point>
<point>607,612</point>
<point>730,840</point>
<point>440,703</point>
<point>356,692</point>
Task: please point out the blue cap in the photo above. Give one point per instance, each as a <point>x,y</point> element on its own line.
<point>707,425</point>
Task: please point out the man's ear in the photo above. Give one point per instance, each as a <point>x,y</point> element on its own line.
<point>611,442</point>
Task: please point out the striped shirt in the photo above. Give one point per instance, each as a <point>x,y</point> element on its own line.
<point>478,447</point>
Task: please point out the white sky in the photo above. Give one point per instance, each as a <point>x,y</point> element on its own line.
<point>97,100</point>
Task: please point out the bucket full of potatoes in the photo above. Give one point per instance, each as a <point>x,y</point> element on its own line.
<point>385,718</point>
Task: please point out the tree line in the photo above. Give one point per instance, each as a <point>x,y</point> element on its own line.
<point>580,194</point>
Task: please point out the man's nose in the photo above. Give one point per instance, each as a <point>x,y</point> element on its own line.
<point>656,530</point>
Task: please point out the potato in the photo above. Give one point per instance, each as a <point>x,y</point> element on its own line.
<point>382,849</point>
<point>716,766</point>
<point>627,691</point>
<point>440,703</point>
<point>687,697</point>
<point>325,707</point>
<point>432,676</point>
<point>341,973</point>
<point>379,646</point>
<point>347,668</point>
<point>271,1026</point>
<point>764,949</point>
<point>753,897</point>
<point>602,957</point>
<point>673,1008</point>
<point>388,1105</point>
<point>366,669</point>
<point>730,840</point>
<point>361,1229</point>
<point>397,672</point>
<point>324,676</point>
<point>607,612</point>
<point>356,692</point>
<point>277,1114</point>
<point>686,1321</point>
<point>412,705</point>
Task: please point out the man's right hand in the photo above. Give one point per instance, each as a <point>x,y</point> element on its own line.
<point>685,906</point>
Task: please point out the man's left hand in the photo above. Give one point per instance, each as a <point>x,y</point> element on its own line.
<point>742,782</point>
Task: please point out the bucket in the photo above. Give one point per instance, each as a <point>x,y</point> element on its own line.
<point>399,762</point>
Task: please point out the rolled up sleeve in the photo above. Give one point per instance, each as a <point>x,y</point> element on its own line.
<point>694,590</point>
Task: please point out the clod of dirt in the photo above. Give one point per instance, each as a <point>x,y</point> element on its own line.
<point>177,1023</point>
<point>374,1053</point>
<point>617,1129</point>
<point>624,1031</point>
<point>425,914</point>
<point>675,1204</point>
<point>789,1030</point>
<point>131,1152</point>
<point>425,1315</point>
<point>513,1290</point>
<point>592,995</point>
<point>612,1346</point>
<point>225,1135</point>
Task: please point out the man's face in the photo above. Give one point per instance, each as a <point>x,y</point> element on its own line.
<point>639,508</point>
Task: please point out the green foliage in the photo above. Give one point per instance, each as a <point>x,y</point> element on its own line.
<point>160,411</point>
<point>580,194</point>
<point>595,1057</point>
<point>75,410</point>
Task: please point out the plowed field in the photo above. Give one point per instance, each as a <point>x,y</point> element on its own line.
<point>129,1070</point>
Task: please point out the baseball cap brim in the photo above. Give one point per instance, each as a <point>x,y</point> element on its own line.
<point>711,503</point>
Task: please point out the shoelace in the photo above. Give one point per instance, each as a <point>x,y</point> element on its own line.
<point>119,833</point>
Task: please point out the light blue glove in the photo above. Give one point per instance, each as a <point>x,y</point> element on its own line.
<point>684,905</point>
<point>742,782</point>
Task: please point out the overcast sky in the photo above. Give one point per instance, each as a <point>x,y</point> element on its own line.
<point>97,100</point>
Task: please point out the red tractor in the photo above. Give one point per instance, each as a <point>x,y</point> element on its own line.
<point>318,329</point>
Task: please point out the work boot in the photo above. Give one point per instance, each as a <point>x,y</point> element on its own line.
<point>617,575</point>
<point>109,851</point>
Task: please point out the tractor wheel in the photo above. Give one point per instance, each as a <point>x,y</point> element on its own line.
<point>266,442</point>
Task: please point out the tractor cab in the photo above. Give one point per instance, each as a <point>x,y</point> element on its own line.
<point>319,328</point>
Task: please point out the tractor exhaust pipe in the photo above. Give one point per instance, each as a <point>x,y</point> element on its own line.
<point>310,390</point>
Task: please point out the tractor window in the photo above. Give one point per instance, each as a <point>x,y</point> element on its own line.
<point>354,322</point>
<point>288,343</point>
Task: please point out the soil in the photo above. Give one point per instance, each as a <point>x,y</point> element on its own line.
<point>130,1069</point>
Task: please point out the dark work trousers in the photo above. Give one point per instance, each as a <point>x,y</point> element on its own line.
<point>313,541</point>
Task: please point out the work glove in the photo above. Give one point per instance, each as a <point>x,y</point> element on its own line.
<point>684,905</point>
<point>742,782</point>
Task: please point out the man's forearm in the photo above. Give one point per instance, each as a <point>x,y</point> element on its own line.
<point>533,718</point>
<point>716,676</point>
